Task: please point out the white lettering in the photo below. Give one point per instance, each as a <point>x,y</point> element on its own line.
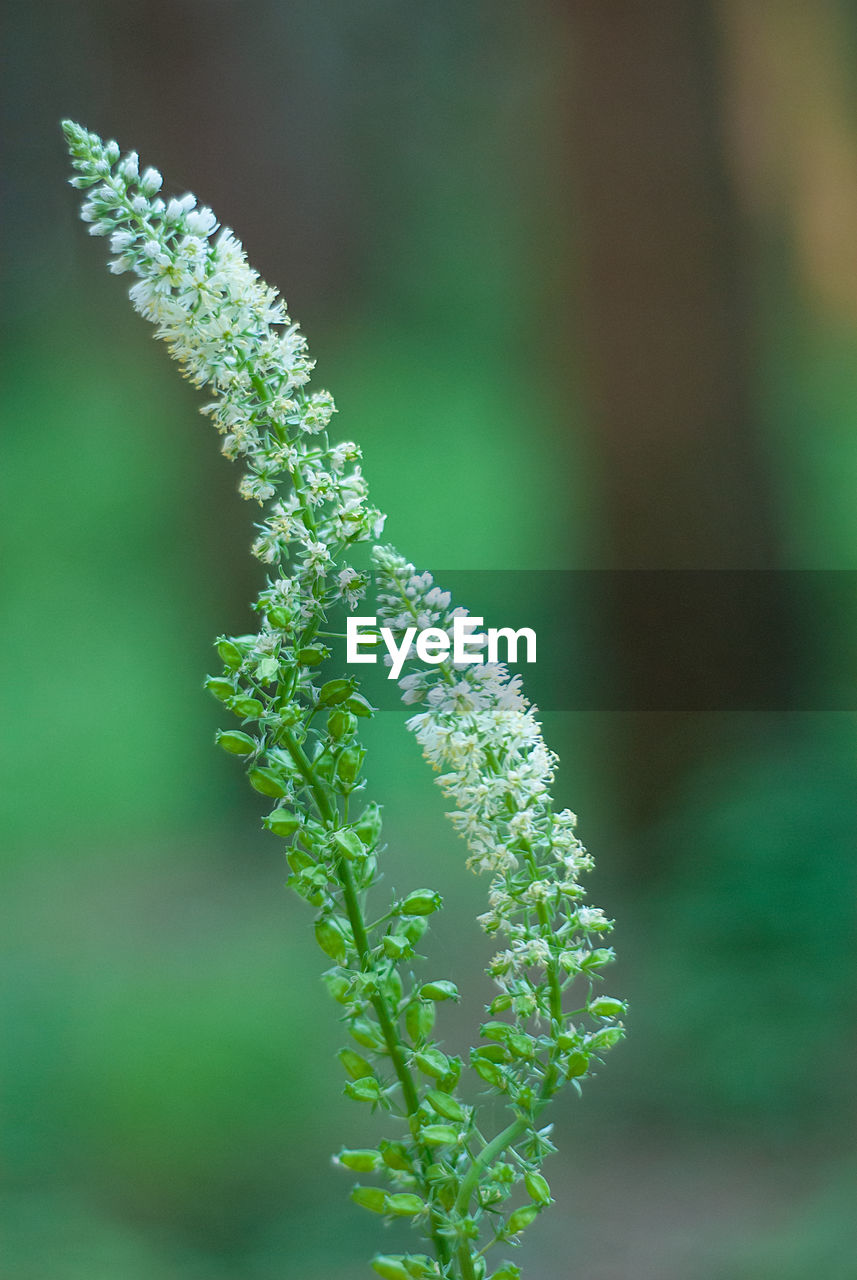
<point>511,637</point>
<point>432,645</point>
<point>397,652</point>
<point>462,635</point>
<point>354,637</point>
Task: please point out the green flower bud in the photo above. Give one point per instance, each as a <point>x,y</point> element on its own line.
<point>289,712</point>
<point>347,843</point>
<point>339,988</point>
<point>577,1064</point>
<point>448,1082</point>
<point>333,692</point>
<point>299,860</point>
<point>598,958</point>
<point>432,1063</point>
<point>341,724</point>
<point>329,937</point>
<point>396,945</point>
<point>395,1155</point>
<point>230,653</point>
<point>362,1161</point>
<point>521,1045</point>
<point>222,689</point>
<point>606,1007</point>
<point>366,1089</point>
<point>390,1268</point>
<point>422,902</point>
<point>441,990</point>
<point>267,782</point>
<point>605,1039</point>
<point>403,1204</point>
<point>240,744</point>
<point>438,1135</point>
<point>490,1073</point>
<point>279,617</point>
<point>371,1198</point>
<point>356,1066</point>
<point>419,1266</point>
<point>247,708</point>
<point>359,706</point>
<point>312,656</point>
<point>414,928</point>
<point>445,1105</point>
<point>491,1053</point>
<point>496,1031</point>
<point>368,825</point>
<point>282,822</point>
<point>500,1003</point>
<point>507,1272</point>
<point>324,766</point>
<point>267,670</point>
<point>419,1019</point>
<point>522,1218</point>
<point>538,1188</point>
<point>350,763</point>
<point>367,1034</point>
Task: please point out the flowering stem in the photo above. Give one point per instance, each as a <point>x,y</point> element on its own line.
<point>354,912</point>
<point>301,744</point>
<point>486,1157</point>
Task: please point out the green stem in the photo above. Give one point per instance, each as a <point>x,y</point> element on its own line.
<point>495,1148</point>
<point>553,974</point>
<point>465,1261</point>
<point>361,941</point>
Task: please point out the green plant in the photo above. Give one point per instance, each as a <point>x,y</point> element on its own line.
<point>299,737</point>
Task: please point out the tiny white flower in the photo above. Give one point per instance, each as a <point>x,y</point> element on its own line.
<point>151,182</point>
<point>201,222</point>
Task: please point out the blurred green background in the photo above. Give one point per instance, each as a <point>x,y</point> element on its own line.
<point>583,279</point>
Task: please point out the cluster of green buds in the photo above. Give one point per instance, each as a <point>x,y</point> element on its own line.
<point>297,730</point>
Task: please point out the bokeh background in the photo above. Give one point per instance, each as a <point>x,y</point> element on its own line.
<point>583,279</point>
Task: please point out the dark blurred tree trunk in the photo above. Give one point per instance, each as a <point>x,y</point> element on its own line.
<point>667,339</point>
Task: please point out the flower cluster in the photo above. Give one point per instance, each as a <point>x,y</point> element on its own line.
<point>230,332</point>
<point>480,733</point>
<point>299,739</point>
